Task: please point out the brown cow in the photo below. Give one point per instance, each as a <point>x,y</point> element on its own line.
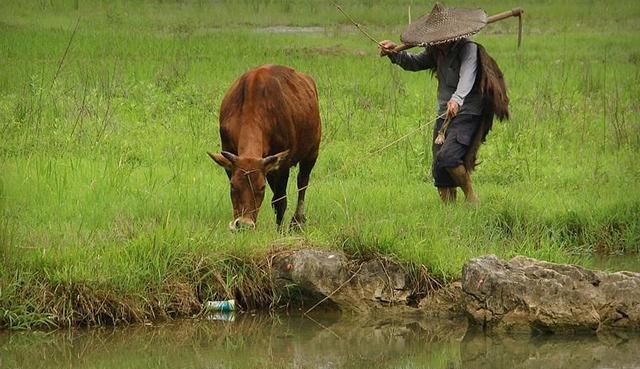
<point>269,122</point>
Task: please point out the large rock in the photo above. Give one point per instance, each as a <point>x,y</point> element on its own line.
<point>525,294</point>
<point>330,276</point>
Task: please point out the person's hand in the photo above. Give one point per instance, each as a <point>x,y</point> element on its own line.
<point>452,108</point>
<point>387,47</point>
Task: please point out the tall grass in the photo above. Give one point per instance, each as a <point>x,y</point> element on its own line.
<point>106,188</point>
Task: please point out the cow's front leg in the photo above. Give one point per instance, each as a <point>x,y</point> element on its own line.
<point>278,183</point>
<point>303,182</point>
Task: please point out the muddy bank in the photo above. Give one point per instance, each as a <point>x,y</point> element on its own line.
<point>521,295</point>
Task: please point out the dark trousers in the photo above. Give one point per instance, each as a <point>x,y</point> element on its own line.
<point>450,154</point>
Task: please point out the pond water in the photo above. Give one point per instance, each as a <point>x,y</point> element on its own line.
<point>320,341</point>
<point>614,263</point>
<point>291,29</point>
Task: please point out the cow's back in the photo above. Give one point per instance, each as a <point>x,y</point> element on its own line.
<point>277,103</point>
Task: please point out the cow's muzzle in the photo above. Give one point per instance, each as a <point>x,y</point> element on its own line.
<point>242,224</point>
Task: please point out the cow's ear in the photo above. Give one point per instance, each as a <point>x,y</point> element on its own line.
<point>221,160</point>
<point>273,162</point>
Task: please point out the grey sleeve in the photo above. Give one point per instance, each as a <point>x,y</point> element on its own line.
<point>468,71</point>
<point>414,62</point>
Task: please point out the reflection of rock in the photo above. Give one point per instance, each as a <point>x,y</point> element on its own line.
<point>325,340</point>
<point>322,340</point>
<point>385,327</point>
<point>371,341</point>
<point>526,294</point>
<point>574,352</point>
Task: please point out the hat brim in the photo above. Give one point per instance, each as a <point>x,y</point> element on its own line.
<point>456,23</point>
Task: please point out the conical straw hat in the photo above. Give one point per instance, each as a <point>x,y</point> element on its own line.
<point>444,24</point>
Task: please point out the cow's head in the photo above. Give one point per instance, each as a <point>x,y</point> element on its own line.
<point>247,179</point>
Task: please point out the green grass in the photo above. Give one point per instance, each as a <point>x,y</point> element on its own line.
<point>106,188</point>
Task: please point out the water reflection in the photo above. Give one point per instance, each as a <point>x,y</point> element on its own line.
<point>614,263</point>
<point>603,351</point>
<point>325,341</point>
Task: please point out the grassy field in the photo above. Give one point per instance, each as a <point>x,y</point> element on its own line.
<point>111,210</point>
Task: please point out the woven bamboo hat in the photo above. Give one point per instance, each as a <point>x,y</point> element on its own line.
<point>444,24</point>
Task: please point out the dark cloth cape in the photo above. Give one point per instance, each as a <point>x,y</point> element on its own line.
<point>490,81</point>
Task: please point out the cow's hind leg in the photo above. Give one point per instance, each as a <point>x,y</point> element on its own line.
<point>278,183</point>
<point>303,181</point>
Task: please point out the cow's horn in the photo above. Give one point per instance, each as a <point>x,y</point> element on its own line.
<point>229,156</point>
<point>271,159</point>
<point>273,162</point>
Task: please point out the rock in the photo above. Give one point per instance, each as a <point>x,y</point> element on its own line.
<point>521,295</point>
<point>361,286</point>
<point>314,270</point>
<point>525,294</point>
<point>444,302</point>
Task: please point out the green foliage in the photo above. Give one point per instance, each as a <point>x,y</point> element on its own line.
<point>105,181</point>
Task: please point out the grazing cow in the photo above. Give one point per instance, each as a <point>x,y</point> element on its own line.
<point>269,122</point>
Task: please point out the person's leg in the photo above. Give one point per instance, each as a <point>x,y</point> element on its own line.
<point>443,181</point>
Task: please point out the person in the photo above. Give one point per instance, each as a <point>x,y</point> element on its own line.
<point>454,59</point>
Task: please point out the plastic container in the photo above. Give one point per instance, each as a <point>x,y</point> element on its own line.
<point>225,316</point>
<point>224,306</point>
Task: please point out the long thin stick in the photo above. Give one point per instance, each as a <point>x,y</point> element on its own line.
<point>356,24</point>
<point>336,290</point>
<point>73,34</point>
<point>515,12</point>
<point>519,30</point>
<point>323,326</point>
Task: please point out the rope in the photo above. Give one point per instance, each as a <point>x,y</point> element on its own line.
<point>377,151</point>
<point>441,133</point>
<point>406,135</point>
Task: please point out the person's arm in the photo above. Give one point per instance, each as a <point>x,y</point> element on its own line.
<point>468,71</point>
<point>412,62</point>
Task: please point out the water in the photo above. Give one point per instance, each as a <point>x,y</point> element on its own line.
<point>614,263</point>
<point>325,341</point>
<point>291,29</point>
